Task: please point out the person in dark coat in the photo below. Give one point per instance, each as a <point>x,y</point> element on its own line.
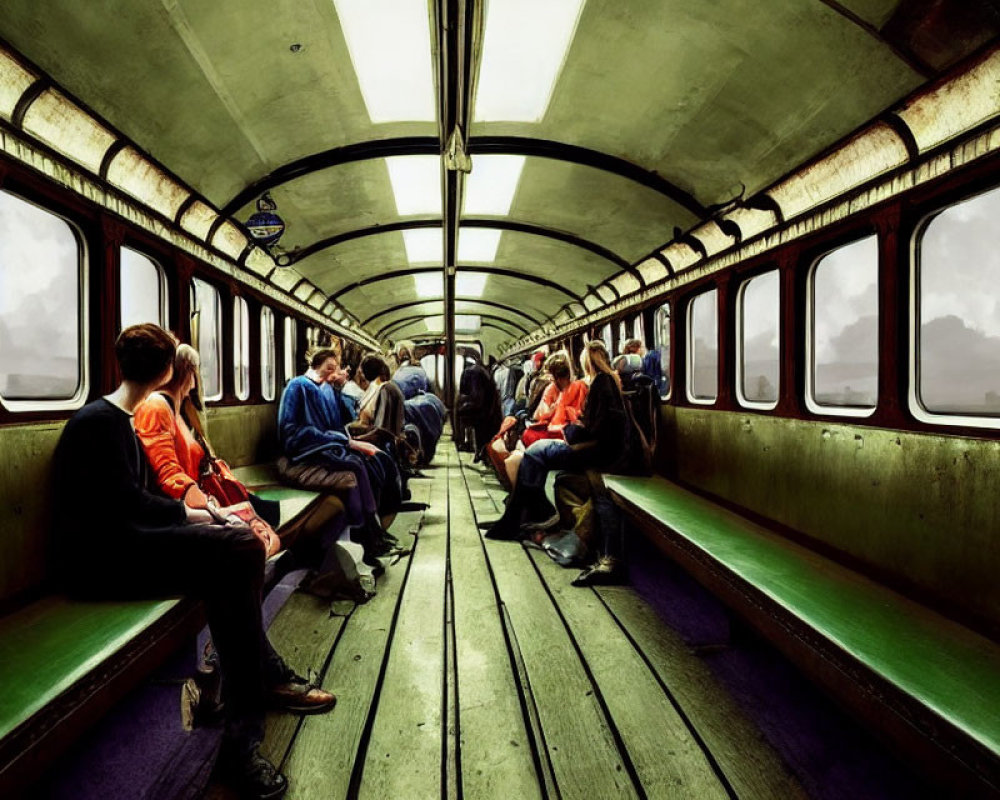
<point>479,405</point>
<point>151,545</point>
<point>598,442</point>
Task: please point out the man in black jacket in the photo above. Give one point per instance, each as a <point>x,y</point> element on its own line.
<point>151,545</point>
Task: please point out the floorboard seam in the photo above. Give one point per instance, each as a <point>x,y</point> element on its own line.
<point>598,695</point>
<point>357,773</point>
<point>692,729</point>
<point>539,754</point>
<point>319,682</point>
<point>450,734</point>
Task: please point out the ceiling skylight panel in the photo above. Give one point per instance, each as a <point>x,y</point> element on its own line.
<point>525,45</point>
<point>416,184</point>
<point>423,245</point>
<point>470,284</point>
<point>390,46</point>
<point>478,244</point>
<point>490,187</point>
<point>467,322</point>
<point>429,285</point>
<point>434,324</point>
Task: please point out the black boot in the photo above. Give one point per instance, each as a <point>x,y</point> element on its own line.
<point>250,774</point>
<point>508,527</point>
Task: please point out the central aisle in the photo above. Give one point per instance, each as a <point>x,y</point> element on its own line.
<point>478,672</point>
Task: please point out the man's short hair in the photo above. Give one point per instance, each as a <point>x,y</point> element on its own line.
<point>632,346</point>
<point>144,352</point>
<point>318,357</point>
<point>374,367</point>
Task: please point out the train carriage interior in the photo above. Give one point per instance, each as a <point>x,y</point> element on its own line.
<point>783,207</point>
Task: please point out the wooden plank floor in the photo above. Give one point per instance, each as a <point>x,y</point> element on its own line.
<point>478,672</point>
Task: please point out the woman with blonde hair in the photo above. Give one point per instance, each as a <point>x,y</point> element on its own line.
<point>596,442</point>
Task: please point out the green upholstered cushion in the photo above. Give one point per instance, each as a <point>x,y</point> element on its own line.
<point>50,645</point>
<point>952,670</point>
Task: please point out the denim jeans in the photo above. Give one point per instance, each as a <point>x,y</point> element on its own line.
<point>541,458</point>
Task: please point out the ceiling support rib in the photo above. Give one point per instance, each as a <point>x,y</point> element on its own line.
<point>502,273</point>
<point>359,151</point>
<point>561,151</point>
<point>479,145</point>
<point>476,222</point>
<point>479,301</point>
<point>911,60</point>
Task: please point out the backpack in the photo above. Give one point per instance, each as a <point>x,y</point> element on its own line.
<point>642,410</point>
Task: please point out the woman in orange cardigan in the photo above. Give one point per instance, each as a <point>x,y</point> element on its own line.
<point>561,404</point>
<point>173,449</point>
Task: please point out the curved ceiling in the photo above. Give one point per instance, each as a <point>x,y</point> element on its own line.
<point>661,112</point>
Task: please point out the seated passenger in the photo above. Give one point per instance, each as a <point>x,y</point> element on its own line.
<point>382,405</point>
<point>353,388</point>
<point>156,546</point>
<point>633,347</point>
<point>562,401</point>
<point>170,431</point>
<point>426,414</point>
<point>409,376</point>
<point>170,428</point>
<point>597,441</point>
<point>320,455</point>
<point>628,366</point>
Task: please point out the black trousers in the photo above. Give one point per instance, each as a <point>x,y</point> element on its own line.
<point>224,568</point>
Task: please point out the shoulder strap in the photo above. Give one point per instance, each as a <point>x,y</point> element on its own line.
<point>170,401</point>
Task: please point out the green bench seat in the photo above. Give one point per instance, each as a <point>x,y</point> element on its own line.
<point>939,681</point>
<point>65,662</point>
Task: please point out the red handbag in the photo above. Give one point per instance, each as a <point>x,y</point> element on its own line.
<point>218,481</point>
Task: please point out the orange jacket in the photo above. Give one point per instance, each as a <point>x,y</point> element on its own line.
<point>564,407</point>
<point>174,456</point>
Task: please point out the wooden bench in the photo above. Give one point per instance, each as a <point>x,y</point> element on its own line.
<point>64,662</point>
<point>929,684</point>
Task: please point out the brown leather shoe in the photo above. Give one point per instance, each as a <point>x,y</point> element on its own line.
<point>299,696</point>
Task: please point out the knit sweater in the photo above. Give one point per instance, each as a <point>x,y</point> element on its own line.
<point>172,452</point>
<point>306,422</point>
<point>100,482</point>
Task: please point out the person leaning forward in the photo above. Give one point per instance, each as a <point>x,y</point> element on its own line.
<point>152,546</point>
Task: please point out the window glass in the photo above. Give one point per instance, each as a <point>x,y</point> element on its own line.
<point>289,349</point>
<point>430,364</point>
<point>703,348</point>
<point>958,334</point>
<point>206,334</point>
<point>241,347</point>
<point>844,325</point>
<point>267,381</point>
<point>622,338</point>
<point>639,329</point>
<point>758,358</point>
<point>143,290</point>
<point>661,342</point>
<point>40,305</point>
<point>608,338</point>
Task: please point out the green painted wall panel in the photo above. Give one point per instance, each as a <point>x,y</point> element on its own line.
<point>920,507</point>
<point>25,494</point>
<point>244,434</point>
